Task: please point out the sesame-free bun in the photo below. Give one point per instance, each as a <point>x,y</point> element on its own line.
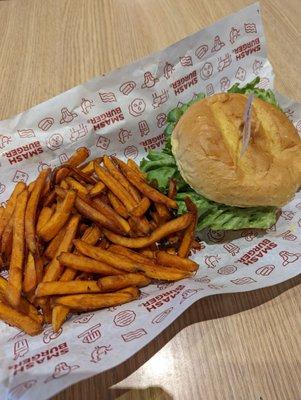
<point>206,144</point>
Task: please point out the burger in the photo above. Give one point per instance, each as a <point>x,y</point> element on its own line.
<point>203,154</point>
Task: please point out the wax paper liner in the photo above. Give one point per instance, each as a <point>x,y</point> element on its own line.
<point>124,113</point>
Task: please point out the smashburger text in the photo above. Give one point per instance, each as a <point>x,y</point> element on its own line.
<point>24,152</point>
<point>246,49</point>
<point>257,252</point>
<point>185,82</point>
<point>162,299</point>
<point>107,118</point>
<point>153,143</point>
<point>39,358</point>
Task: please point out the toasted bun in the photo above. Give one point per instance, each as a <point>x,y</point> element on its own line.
<point>206,144</point>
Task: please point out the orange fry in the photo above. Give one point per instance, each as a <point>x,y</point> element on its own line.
<point>86,264</point>
<point>55,269</point>
<point>140,209</point>
<point>74,184</point>
<point>8,211</point>
<point>171,260</point>
<point>131,163</point>
<point>76,159</point>
<point>30,276</point>
<point>172,189</point>
<point>96,301</point>
<point>31,210</point>
<point>111,167</point>
<point>188,234</point>
<point>54,244</point>
<point>169,227</point>
<point>44,217</point>
<point>7,236</point>
<point>60,217</point>
<point>14,289</point>
<point>71,287</point>
<point>117,282</point>
<point>95,190</point>
<point>111,214</point>
<point>117,205</point>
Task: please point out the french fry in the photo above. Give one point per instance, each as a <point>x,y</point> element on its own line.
<point>49,198</point>
<point>131,163</point>
<point>55,269</point>
<point>117,282</point>
<point>31,186</point>
<point>175,261</point>
<point>87,264</point>
<point>8,211</point>
<point>114,171</point>
<point>88,168</point>
<point>140,209</point>
<point>115,187</point>
<point>147,253</point>
<point>111,213</point>
<point>60,313</point>
<point>25,307</point>
<point>30,276</point>
<point>1,211</point>
<point>21,321</point>
<point>87,210</point>
<point>64,184</point>
<point>172,189</point>
<point>71,287</point>
<point>175,225</point>
<point>39,269</point>
<point>188,234</point>
<point>44,216</point>
<point>14,289</point>
<point>54,244</point>
<point>97,301</point>
<point>7,236</point>
<point>76,159</point>
<point>95,190</point>
<point>60,217</point>
<point>74,184</point>
<point>137,257</point>
<point>163,212</point>
<point>147,190</point>
<point>31,210</point>
<point>129,264</point>
<point>117,205</point>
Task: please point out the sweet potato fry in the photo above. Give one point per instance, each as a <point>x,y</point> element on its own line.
<point>87,264</point>
<point>71,287</point>
<point>163,212</point>
<point>96,301</point>
<point>21,321</point>
<point>140,209</point>
<point>148,190</point>
<point>115,187</point>
<point>95,190</point>
<point>74,184</point>
<point>111,214</point>
<point>137,257</point>
<point>172,189</point>
<point>117,205</point>
<point>87,210</point>
<point>30,276</point>
<point>127,263</point>
<point>8,211</point>
<point>169,227</point>
<point>25,307</point>
<point>44,217</point>
<point>54,244</point>
<point>114,171</point>
<point>117,282</point>
<point>39,264</point>
<point>1,211</point>
<point>49,198</point>
<point>14,289</point>
<point>60,217</point>
<point>175,261</point>
<point>31,210</point>
<point>76,159</point>
<point>31,186</point>
<point>55,269</point>
<point>189,232</point>
<point>147,253</point>
<point>88,168</point>
<point>7,236</point>
<point>131,164</point>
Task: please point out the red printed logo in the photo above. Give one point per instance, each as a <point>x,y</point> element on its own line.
<point>49,335</point>
<point>108,118</point>
<point>224,83</point>
<point>257,252</point>
<point>20,176</point>
<point>188,293</point>
<point>26,133</point>
<point>289,258</point>
<point>55,141</point>
<point>168,70</point>
<point>138,333</point>
<point>83,319</point>
<point>153,143</point>
<point>4,141</point>
<point>231,248</point>
<point>143,128</point>
<point>160,317</point>
<point>103,142</point>
<point>161,120</point>
<point>20,348</point>
<point>18,391</point>
<point>227,270</point>
<point>46,123</point>
<point>160,98</point>
<point>257,67</point>
<point>131,152</point>
<point>67,116</point>
<point>201,51</point>
<point>212,261</point>
<point>206,71</point>
<point>215,236</point>
<point>124,135</point>
<point>108,97</point>
<point>233,35</point>
<point>184,83</point>
<point>266,270</point>
<point>186,61</point>
<point>60,370</point>
<point>91,334</point>
<point>24,152</point>
<point>246,49</point>
<point>250,27</point>
<point>161,299</point>
<point>288,235</point>
<point>2,188</point>
<point>243,281</point>
<point>78,132</point>
<point>149,80</point>
<point>124,318</point>
<point>217,44</point>
<point>224,62</point>
<point>209,89</point>
<point>86,106</point>
<point>127,87</point>
<point>99,352</point>
<point>241,74</point>
<point>137,107</point>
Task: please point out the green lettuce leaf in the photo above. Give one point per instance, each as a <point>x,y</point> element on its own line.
<point>160,166</point>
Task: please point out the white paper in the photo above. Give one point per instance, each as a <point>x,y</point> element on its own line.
<point>232,50</point>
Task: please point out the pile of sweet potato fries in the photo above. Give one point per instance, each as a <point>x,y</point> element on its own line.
<point>86,236</point>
